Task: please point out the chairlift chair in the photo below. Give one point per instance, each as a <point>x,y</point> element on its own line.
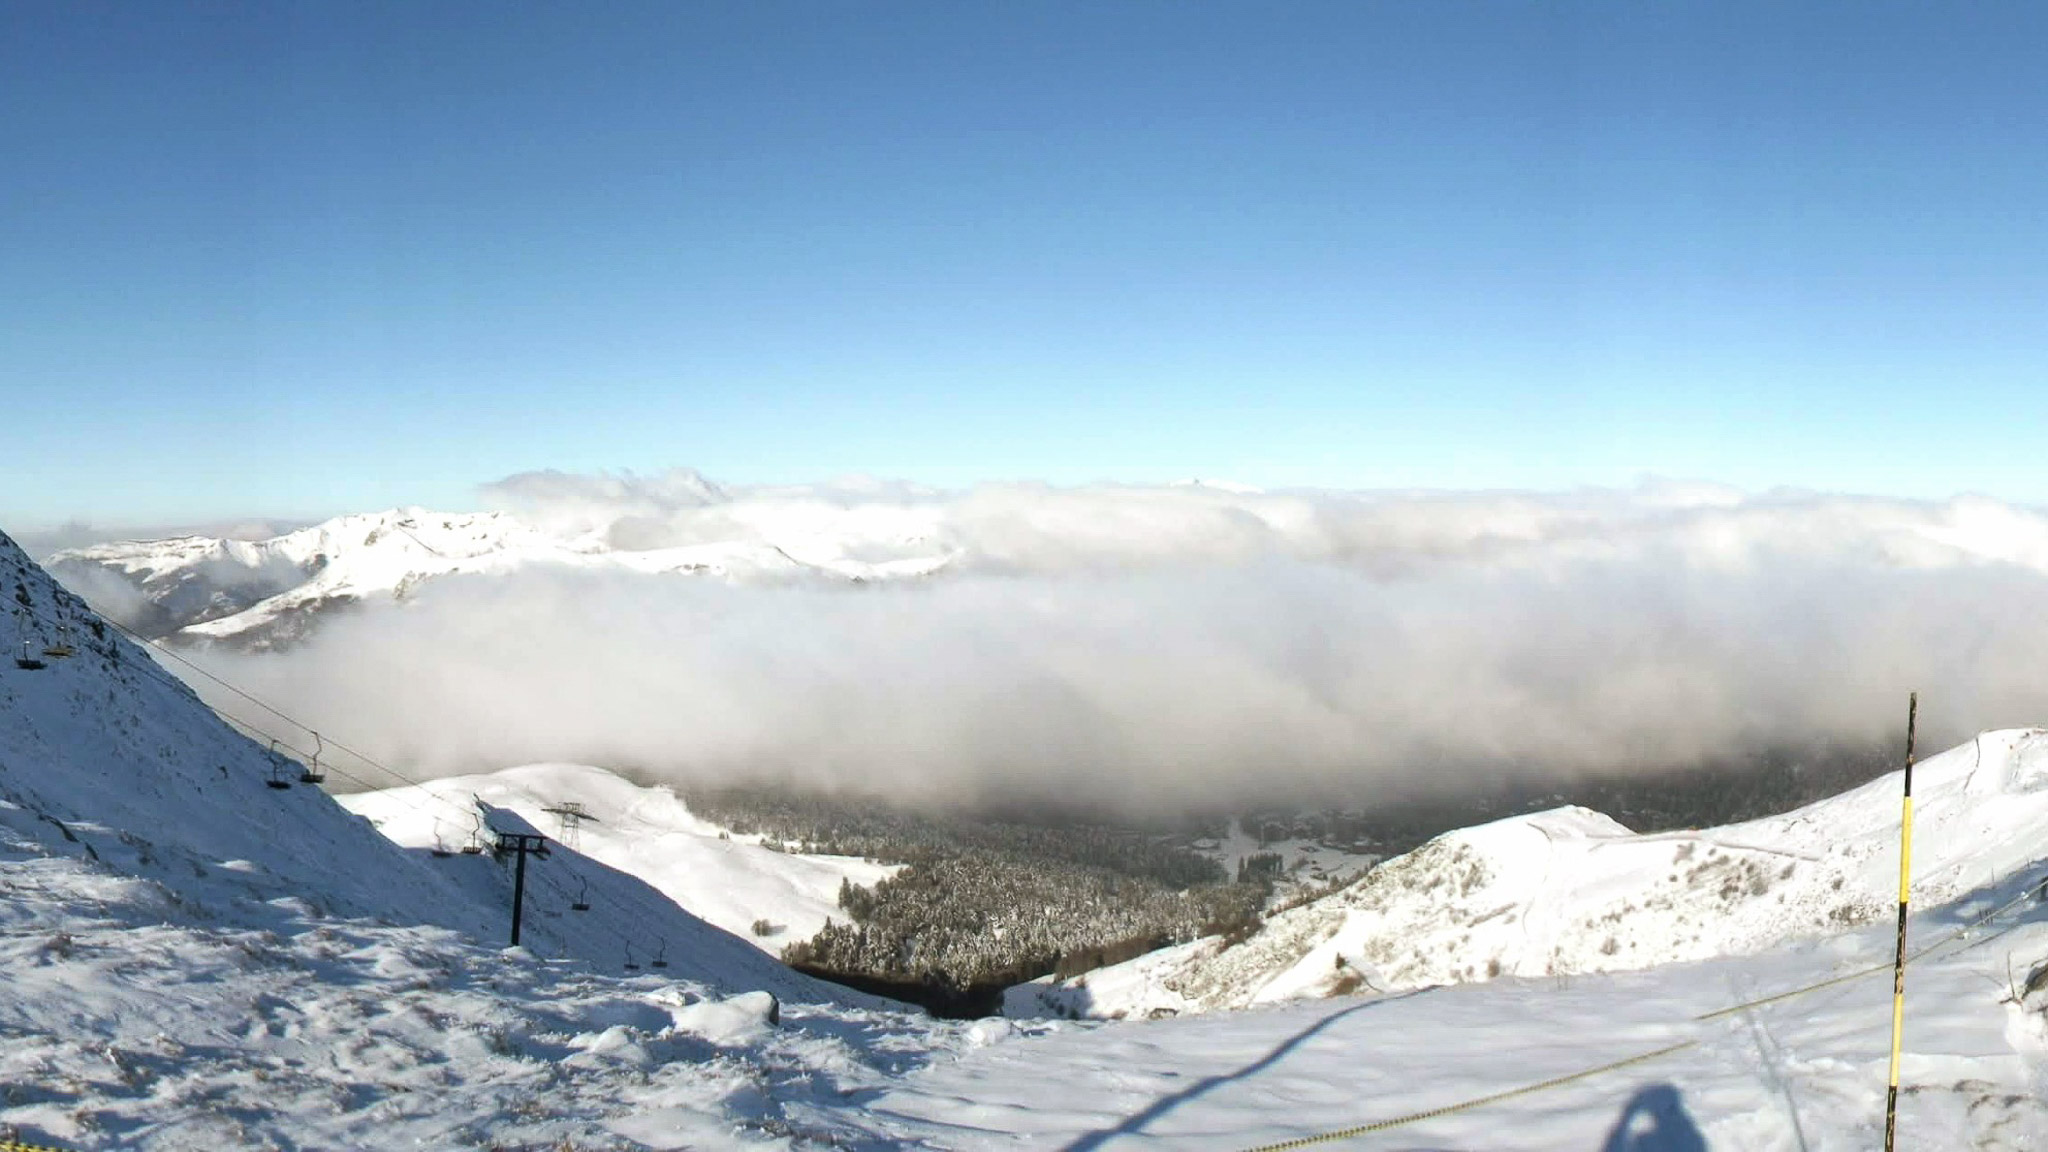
<point>62,648</point>
<point>630,965</point>
<point>440,849</point>
<point>661,958</point>
<point>475,847</point>
<point>27,660</point>
<point>582,901</point>
<point>312,773</point>
<point>277,778</point>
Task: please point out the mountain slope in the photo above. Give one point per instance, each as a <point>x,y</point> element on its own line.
<point>1571,891</point>
<point>1803,1074</point>
<point>730,880</point>
<point>107,754</point>
<point>196,960</point>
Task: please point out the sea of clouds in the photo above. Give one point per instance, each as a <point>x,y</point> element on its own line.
<point>1174,647</point>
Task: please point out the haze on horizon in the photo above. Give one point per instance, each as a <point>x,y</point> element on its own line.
<point>316,259</point>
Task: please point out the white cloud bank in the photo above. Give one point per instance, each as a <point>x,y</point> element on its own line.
<point>1175,647</point>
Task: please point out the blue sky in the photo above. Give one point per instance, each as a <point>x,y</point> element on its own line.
<point>297,259</point>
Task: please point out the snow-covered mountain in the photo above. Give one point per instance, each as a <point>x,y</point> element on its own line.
<point>729,879</point>
<point>107,742</point>
<point>1570,891</point>
<point>197,959</point>
<point>265,593</point>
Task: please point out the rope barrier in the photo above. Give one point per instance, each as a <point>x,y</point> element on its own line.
<point>2030,889</point>
<point>1477,1102</point>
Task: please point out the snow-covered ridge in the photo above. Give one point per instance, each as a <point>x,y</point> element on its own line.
<point>1570,891</point>
<point>265,590</point>
<point>728,879</point>
<point>106,752</point>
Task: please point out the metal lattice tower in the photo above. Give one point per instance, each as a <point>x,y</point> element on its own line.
<point>570,816</point>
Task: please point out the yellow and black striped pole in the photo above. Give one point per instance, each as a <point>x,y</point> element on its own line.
<point>1891,1096</point>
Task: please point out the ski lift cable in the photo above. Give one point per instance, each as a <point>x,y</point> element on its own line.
<point>274,710</point>
<point>638,907</point>
<point>402,798</point>
<point>477,825</point>
<point>280,744</point>
<point>626,938</point>
<point>258,701</point>
<point>540,878</point>
<point>626,898</point>
<point>421,786</point>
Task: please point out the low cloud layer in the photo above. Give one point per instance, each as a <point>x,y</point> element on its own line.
<point>1179,647</point>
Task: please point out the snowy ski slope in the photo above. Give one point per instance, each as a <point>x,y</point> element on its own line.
<point>728,879</point>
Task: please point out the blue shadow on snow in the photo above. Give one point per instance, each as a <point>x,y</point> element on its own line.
<point>1655,1120</point>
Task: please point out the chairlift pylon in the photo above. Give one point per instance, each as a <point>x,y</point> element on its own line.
<point>312,773</point>
<point>582,901</point>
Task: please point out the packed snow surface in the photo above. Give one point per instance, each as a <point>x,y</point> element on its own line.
<point>1806,1074</point>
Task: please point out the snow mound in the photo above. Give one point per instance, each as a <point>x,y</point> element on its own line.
<point>1571,891</point>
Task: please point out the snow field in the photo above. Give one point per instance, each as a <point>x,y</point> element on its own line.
<point>728,879</point>
<point>1806,1073</point>
<point>128,1026</point>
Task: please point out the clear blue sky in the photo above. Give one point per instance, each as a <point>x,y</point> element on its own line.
<point>295,259</point>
